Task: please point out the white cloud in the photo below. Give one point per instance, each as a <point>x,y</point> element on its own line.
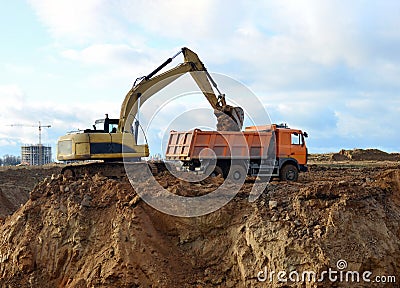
<point>5,141</point>
<point>20,69</point>
<point>80,21</point>
<point>23,113</point>
<point>317,64</point>
<point>277,43</point>
<point>103,54</point>
<point>10,95</point>
<point>173,19</point>
<point>329,29</point>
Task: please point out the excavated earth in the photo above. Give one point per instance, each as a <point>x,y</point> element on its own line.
<point>96,232</point>
<point>17,182</point>
<point>225,122</point>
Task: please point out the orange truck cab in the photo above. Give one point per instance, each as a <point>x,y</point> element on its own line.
<point>264,151</point>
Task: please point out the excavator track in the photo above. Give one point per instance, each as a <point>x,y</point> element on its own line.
<point>115,170</point>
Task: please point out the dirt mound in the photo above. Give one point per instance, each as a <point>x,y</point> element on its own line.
<point>17,182</point>
<point>96,232</point>
<point>365,155</point>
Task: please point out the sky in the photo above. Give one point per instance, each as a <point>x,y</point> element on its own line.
<point>330,68</point>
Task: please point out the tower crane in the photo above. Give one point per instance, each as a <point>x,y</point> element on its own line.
<point>40,126</point>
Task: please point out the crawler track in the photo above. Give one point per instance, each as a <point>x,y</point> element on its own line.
<point>109,169</point>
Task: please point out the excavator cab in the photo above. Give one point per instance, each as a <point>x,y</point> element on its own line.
<point>105,125</point>
<point>110,125</point>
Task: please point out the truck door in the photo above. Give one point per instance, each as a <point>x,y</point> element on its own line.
<point>298,148</point>
<point>284,146</point>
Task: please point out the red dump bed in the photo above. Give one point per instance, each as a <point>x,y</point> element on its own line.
<point>189,145</point>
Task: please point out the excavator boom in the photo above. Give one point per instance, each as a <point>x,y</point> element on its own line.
<point>152,83</point>
<point>115,140</point>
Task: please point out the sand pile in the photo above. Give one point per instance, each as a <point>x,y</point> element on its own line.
<point>365,155</point>
<point>16,183</point>
<point>96,232</point>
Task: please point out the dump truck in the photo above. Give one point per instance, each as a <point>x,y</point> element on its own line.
<point>263,151</point>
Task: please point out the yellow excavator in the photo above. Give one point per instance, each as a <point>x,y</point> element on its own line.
<point>113,140</point>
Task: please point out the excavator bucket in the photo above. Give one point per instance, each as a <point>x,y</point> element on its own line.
<point>229,118</point>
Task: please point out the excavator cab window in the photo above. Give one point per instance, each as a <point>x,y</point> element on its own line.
<point>99,125</point>
<point>106,125</point>
<point>112,128</point>
<point>112,125</point>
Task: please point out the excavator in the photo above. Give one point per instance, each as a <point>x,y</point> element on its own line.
<point>117,140</point>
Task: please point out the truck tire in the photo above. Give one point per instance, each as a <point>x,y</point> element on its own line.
<point>68,172</point>
<point>237,173</point>
<point>214,171</point>
<point>289,172</point>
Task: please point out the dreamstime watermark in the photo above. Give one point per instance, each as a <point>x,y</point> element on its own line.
<point>340,274</point>
<point>160,113</point>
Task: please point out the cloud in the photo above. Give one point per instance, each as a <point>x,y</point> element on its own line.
<point>13,94</point>
<point>341,120</point>
<point>170,19</point>
<point>103,54</point>
<point>330,67</point>
<point>364,117</point>
<point>320,41</point>
<point>114,60</point>
<point>20,69</point>
<point>26,114</point>
<point>77,21</point>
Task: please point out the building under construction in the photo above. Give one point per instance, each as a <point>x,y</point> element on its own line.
<point>35,154</point>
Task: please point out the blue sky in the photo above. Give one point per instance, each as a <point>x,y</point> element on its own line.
<point>331,68</point>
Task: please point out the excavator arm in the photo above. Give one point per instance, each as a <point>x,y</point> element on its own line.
<point>152,83</point>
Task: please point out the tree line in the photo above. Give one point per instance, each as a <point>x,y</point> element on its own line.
<point>10,160</point>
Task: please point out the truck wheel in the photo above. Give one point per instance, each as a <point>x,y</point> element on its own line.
<point>214,171</point>
<point>68,172</point>
<point>237,173</point>
<point>289,172</point>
